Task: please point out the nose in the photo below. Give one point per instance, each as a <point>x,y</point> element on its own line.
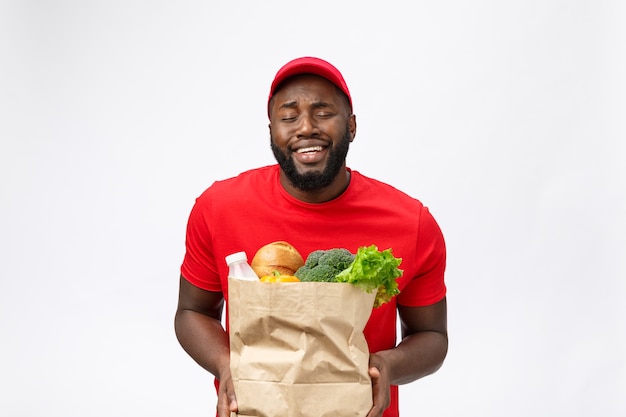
<point>307,126</point>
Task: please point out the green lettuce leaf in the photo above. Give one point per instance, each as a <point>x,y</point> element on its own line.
<point>373,269</point>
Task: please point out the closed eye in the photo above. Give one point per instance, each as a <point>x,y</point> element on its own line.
<point>290,117</point>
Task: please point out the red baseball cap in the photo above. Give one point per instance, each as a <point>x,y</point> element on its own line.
<point>309,65</point>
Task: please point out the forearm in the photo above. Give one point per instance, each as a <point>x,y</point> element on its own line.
<point>205,340</point>
<point>417,356</point>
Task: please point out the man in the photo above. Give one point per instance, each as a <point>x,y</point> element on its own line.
<point>314,201</point>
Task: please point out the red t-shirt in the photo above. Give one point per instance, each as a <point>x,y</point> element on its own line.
<point>248,211</point>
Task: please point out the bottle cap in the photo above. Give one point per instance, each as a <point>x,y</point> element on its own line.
<point>235,257</point>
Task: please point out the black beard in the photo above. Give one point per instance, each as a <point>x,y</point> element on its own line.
<point>314,180</point>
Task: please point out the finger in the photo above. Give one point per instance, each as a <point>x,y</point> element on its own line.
<point>233,405</point>
<point>375,412</point>
<point>223,412</point>
<point>374,372</point>
<point>228,406</point>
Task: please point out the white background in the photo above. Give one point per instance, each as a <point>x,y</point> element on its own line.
<point>505,118</point>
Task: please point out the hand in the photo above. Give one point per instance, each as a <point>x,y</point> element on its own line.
<point>380,386</point>
<point>226,400</point>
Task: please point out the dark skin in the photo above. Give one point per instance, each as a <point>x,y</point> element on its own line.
<point>309,113</point>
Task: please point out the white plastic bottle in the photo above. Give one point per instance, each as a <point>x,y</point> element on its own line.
<point>238,267</point>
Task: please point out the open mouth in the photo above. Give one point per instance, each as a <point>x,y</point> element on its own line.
<point>310,149</point>
<point>311,154</point>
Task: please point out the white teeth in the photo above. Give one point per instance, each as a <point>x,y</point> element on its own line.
<point>311,149</point>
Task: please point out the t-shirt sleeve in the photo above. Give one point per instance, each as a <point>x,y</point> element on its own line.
<point>199,266</point>
<point>427,286</point>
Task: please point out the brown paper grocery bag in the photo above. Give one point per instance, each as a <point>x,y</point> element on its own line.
<point>298,349</point>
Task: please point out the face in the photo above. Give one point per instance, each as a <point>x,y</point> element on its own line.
<point>311,128</point>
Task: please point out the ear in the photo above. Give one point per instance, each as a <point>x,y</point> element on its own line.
<point>352,126</point>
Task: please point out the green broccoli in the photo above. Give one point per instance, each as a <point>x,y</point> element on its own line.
<point>339,259</point>
<point>324,265</point>
<point>319,273</point>
<point>313,259</point>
